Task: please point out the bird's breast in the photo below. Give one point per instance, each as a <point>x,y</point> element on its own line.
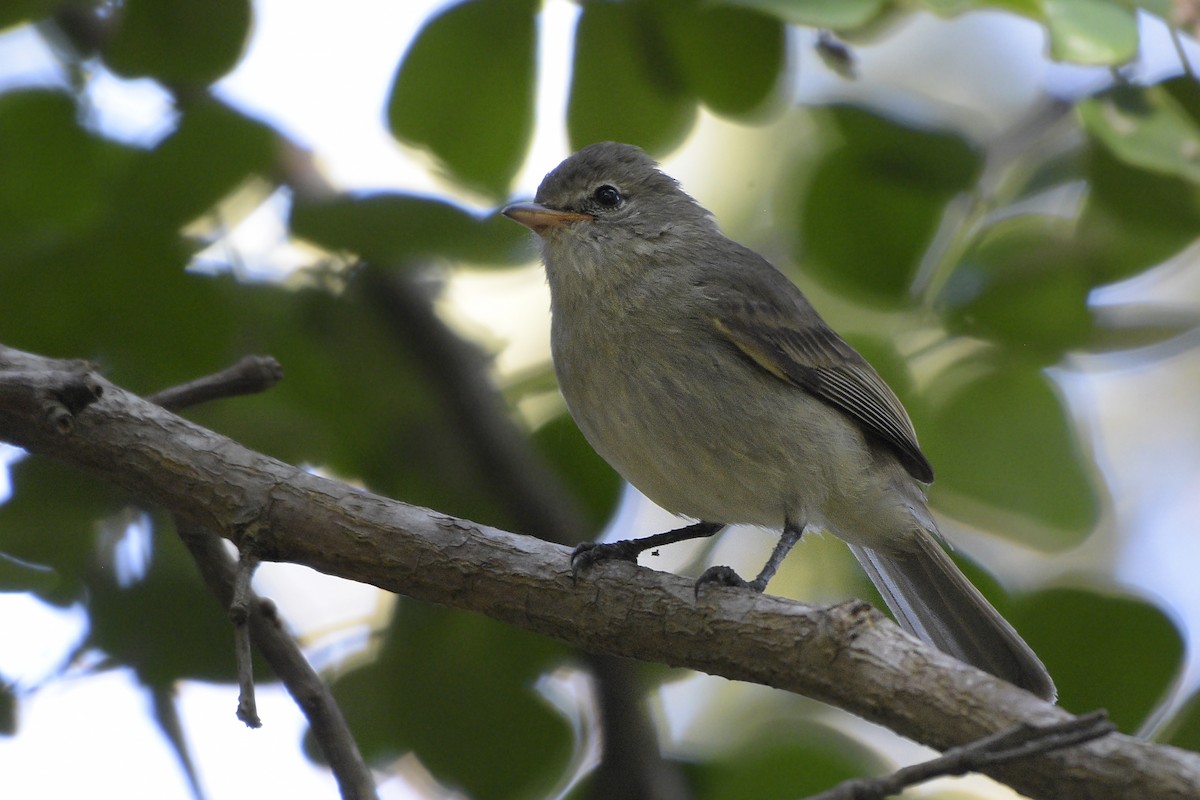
<point>684,418</point>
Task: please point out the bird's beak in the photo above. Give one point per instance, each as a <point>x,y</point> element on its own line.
<point>539,219</point>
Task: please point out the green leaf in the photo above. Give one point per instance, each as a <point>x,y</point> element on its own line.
<point>730,57</point>
<point>178,41</point>
<point>1184,728</point>
<point>50,520</point>
<point>1100,32</point>
<point>1133,218</point>
<point>1185,91</point>
<point>1146,127</point>
<point>625,86</point>
<point>1022,284</point>
<point>999,438</point>
<point>178,334</point>
<point>1160,8</point>
<point>8,710</point>
<point>783,760</point>
<point>874,201</point>
<point>21,576</point>
<point>835,14</point>
<point>465,91</point>
<point>458,690</point>
<point>951,8</point>
<point>400,229</point>
<point>56,175</point>
<point>1093,643</point>
<point>14,12</point>
<point>213,151</point>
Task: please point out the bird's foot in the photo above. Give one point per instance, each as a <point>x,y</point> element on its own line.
<point>586,555</point>
<point>725,576</point>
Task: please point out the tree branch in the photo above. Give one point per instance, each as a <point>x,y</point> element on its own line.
<point>249,375</point>
<point>848,655</point>
<point>1019,741</point>
<point>220,573</point>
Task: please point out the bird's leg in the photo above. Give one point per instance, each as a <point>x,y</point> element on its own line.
<point>725,576</point>
<point>588,553</point>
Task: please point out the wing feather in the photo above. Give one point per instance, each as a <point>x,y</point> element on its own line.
<point>814,358</point>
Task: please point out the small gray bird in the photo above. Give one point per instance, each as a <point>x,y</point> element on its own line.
<point>704,376</point>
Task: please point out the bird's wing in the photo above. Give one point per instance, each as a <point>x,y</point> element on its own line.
<point>814,358</point>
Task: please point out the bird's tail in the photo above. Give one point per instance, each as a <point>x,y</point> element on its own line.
<point>933,600</point>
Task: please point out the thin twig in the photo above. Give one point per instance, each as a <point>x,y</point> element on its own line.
<point>1011,744</point>
<point>239,612</point>
<point>306,687</point>
<point>251,375</point>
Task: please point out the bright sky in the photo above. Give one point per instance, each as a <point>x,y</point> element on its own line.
<point>322,75</point>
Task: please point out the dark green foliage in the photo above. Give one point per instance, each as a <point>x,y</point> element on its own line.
<point>874,202</point>
<point>459,690</point>
<point>179,41</point>
<point>1095,643</point>
<point>466,93</point>
<point>624,85</point>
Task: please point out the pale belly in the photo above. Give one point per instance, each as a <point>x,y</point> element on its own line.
<point>738,446</point>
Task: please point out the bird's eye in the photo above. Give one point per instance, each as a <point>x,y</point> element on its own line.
<point>607,196</point>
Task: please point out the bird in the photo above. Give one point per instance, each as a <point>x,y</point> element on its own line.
<point>707,379</point>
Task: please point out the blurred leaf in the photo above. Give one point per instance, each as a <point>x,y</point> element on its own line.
<point>14,12</point>
<point>730,57</point>
<point>56,175</point>
<point>1184,728</point>
<point>8,710</point>
<point>1104,650</point>
<point>178,41</point>
<point>21,576</point>
<point>400,229</point>
<point>1022,284</point>
<point>594,483</point>
<point>784,760</point>
<point>213,150</point>
<point>51,520</point>
<point>459,690</point>
<point>624,85</point>
<point>125,302</point>
<point>835,14</point>
<point>465,91</point>
<point>1160,8</point>
<point>874,202</point>
<point>1100,32</point>
<point>1134,218</point>
<point>1185,91</point>
<point>1147,127</point>
<point>947,8</point>
<point>999,435</point>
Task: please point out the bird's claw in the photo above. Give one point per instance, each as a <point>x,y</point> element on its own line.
<point>588,554</point>
<point>725,576</point>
